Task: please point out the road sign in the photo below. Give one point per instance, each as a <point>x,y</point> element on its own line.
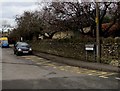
<point>89,47</point>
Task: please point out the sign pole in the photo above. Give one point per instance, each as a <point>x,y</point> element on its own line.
<point>97,34</point>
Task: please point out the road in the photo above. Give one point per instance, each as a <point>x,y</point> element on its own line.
<point>32,72</point>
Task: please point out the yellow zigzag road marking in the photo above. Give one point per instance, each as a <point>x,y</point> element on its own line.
<point>117,78</point>
<point>51,65</point>
<point>104,72</point>
<point>84,71</point>
<point>45,63</point>
<point>62,69</point>
<point>39,58</point>
<point>54,67</point>
<point>90,74</point>
<point>28,58</point>
<point>103,76</point>
<point>69,68</point>
<point>109,74</point>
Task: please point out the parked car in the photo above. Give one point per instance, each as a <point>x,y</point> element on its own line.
<point>22,48</point>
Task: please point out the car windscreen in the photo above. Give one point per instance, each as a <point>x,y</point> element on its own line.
<point>23,45</point>
<point>4,42</point>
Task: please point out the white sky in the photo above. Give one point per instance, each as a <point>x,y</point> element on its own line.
<point>10,8</point>
<point>17,0</point>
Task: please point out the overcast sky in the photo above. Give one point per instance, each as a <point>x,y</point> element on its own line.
<point>10,8</point>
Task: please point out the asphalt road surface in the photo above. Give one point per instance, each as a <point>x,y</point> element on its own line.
<point>32,72</point>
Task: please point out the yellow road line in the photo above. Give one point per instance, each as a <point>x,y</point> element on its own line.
<point>62,69</point>
<point>104,72</point>
<point>78,72</point>
<point>90,74</point>
<point>27,58</point>
<point>103,76</point>
<point>93,71</point>
<point>50,64</point>
<point>109,74</point>
<point>54,67</point>
<point>70,68</point>
<point>39,58</point>
<point>39,63</point>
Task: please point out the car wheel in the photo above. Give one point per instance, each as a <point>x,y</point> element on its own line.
<point>14,52</point>
<point>17,54</point>
<point>30,53</point>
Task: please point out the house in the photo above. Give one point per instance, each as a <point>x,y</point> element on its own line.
<point>63,35</point>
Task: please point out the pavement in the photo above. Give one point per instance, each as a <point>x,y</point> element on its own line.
<point>78,63</point>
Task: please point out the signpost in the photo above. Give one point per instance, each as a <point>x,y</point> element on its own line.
<point>89,48</point>
<point>97,33</point>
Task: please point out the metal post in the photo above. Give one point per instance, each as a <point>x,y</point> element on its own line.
<point>21,39</point>
<point>97,34</point>
<point>86,56</point>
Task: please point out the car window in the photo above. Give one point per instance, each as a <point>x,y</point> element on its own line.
<point>4,41</point>
<point>23,45</point>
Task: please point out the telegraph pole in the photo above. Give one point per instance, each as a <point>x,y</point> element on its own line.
<point>97,34</point>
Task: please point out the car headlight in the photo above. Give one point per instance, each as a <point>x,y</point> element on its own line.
<point>30,49</point>
<point>19,49</point>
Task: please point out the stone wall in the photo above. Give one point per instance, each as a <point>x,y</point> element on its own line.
<point>110,49</point>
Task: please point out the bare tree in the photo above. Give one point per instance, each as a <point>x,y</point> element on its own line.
<point>80,15</point>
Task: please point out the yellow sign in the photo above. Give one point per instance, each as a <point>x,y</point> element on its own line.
<point>96,20</point>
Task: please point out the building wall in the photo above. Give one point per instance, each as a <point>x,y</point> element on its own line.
<point>63,35</point>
